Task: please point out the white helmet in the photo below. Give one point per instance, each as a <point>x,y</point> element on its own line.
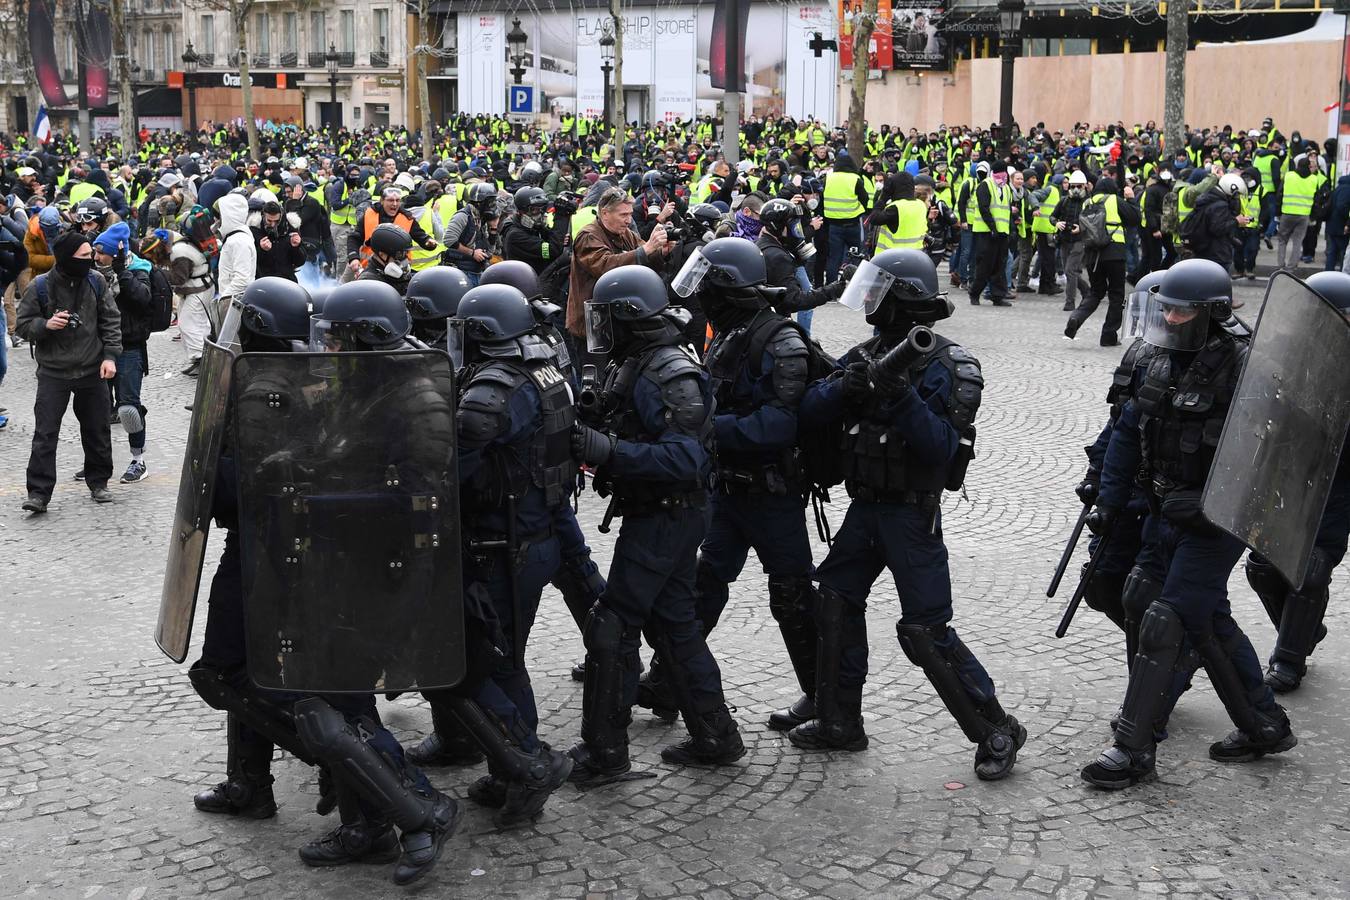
<point>1233,185</point>
<point>1077,177</point>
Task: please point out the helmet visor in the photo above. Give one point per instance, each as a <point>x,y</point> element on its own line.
<point>1175,324</point>
<point>454,342</point>
<point>1136,304</point>
<point>228,333</point>
<point>691,274</point>
<point>599,327</point>
<point>323,336</point>
<point>867,288</point>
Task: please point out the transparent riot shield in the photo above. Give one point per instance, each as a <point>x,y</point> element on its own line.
<point>349,520</point>
<point>196,492</point>
<point>1282,440</point>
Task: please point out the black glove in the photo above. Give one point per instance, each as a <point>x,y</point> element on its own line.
<point>886,384</point>
<point>1088,487</point>
<point>591,447</point>
<point>1102,519</point>
<point>846,272</point>
<point>857,387</point>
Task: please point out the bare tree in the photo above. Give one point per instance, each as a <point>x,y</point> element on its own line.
<point>1174,78</point>
<point>421,52</point>
<point>126,95</point>
<point>14,34</point>
<point>863,26</point>
<point>239,12</point>
<point>616,105</point>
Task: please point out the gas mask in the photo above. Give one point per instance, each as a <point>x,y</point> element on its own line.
<point>393,269</point>
<point>794,241</point>
<point>812,203</point>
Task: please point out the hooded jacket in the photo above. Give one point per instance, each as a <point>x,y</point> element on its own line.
<point>70,353</point>
<point>238,255</point>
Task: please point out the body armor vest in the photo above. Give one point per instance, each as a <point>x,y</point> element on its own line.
<point>1182,411</point>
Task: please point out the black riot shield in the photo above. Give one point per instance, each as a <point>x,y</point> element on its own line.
<point>1282,440</point>
<point>196,491</point>
<point>349,520</point>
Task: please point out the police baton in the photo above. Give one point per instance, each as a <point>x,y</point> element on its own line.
<point>1068,550</point>
<point>1083,583</point>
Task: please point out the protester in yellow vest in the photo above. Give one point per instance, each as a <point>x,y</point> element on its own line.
<point>844,200</point>
<point>903,221</point>
<point>1297,189</point>
<point>990,215</point>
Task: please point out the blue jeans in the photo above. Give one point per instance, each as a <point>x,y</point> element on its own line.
<point>4,349</point>
<point>966,250</point>
<point>804,317</point>
<point>843,235</point>
<point>1245,259</point>
<point>127,389</point>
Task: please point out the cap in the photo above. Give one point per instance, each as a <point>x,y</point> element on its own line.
<point>169,179</point>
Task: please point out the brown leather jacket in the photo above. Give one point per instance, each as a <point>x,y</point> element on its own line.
<point>594,252</point>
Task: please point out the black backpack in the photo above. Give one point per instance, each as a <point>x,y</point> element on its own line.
<point>1194,235</point>
<point>161,300</point>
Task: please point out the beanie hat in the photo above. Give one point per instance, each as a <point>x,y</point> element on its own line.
<point>114,239</point>
<point>67,245</point>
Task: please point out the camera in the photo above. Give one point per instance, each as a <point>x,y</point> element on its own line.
<point>565,204</point>
<point>676,233</point>
<point>74,321</point>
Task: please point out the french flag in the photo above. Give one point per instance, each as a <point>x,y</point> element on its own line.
<point>42,128</point>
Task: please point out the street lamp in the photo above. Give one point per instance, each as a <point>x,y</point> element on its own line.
<point>515,39</point>
<point>1010,42</point>
<point>190,60</point>
<point>331,59</point>
<point>607,63</point>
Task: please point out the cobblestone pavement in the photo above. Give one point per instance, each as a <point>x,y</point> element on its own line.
<point>102,741</point>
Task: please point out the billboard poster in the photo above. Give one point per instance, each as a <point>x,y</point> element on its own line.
<point>918,37</point>
<point>880,48</point>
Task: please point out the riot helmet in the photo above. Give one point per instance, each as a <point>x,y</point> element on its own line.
<point>489,319</point>
<point>726,275</point>
<point>708,217</point>
<point>361,315</point>
<point>318,296</point>
<point>91,211</point>
<point>531,201</point>
<point>1192,293</point>
<point>392,244</point>
<point>631,304</point>
<point>897,288</point>
<point>435,293</point>
<point>1333,287</point>
<point>783,221</point>
<point>483,197</point>
<point>1137,302</point>
<point>514,272</point>
<point>530,173</point>
<point>273,312</point>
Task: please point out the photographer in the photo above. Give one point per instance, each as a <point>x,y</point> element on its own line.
<point>607,243</point>
<point>73,323</point>
<point>316,241</point>
<point>278,243</point>
<point>128,280</point>
<point>657,205</point>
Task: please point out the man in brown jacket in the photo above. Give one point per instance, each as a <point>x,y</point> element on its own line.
<point>607,243</point>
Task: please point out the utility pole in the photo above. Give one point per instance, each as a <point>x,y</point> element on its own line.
<point>82,73</point>
<point>616,107</point>
<point>731,97</point>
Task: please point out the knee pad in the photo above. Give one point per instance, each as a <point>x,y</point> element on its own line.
<point>1161,630</point>
<point>1265,579</point>
<point>323,729</point>
<point>1105,593</point>
<point>1138,593</point>
<point>920,643</point>
<point>603,631</point>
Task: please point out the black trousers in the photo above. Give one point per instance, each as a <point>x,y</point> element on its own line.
<point>1150,254</point>
<point>1045,246</point>
<point>991,265</point>
<point>1108,281</point>
<point>91,408</point>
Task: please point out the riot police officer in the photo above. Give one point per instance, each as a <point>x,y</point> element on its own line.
<point>378,789</point>
<point>1171,444</point>
<point>759,366</point>
<point>907,407</point>
<point>432,297</point>
<point>389,246</point>
<point>274,312</point>
<point>649,437</point>
<point>1297,615</point>
<point>514,425</point>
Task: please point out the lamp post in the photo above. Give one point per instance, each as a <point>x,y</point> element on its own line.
<point>331,59</point>
<point>190,60</point>
<point>607,64</point>
<point>515,41</point>
<point>1010,43</point>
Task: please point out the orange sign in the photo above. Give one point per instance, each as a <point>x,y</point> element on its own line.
<point>880,52</point>
<point>174,79</point>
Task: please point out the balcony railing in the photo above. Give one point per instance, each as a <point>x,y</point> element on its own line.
<point>347,58</point>
<point>287,60</point>
<point>260,60</point>
<point>317,60</point>
<point>206,59</point>
<point>379,59</point>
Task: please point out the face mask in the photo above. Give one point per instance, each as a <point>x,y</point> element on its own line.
<point>527,221</point>
<point>393,270</point>
<point>812,203</point>
<point>75,268</point>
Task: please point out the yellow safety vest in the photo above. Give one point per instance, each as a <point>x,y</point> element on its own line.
<point>1266,166</point>
<point>1000,206</point>
<point>1251,207</point>
<point>1114,227</point>
<point>1183,209</point>
<point>83,191</point>
<point>425,259</point>
<point>1041,224</point>
<point>841,196</point>
<point>910,228</point>
<point>1298,194</point>
<point>583,217</point>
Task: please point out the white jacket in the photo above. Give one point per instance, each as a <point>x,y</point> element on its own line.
<point>238,256</point>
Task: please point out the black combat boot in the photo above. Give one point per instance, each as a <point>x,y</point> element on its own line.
<point>793,601</point>
<point>799,713</point>
<point>355,840</point>
<point>602,754</point>
<point>247,788</point>
<point>1262,725</point>
<point>838,724</point>
<point>713,740</point>
<point>996,753</point>
<point>654,692</point>
<point>447,745</point>
<point>545,770</point>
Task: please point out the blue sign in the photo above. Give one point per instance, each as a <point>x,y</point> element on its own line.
<point>521,99</point>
